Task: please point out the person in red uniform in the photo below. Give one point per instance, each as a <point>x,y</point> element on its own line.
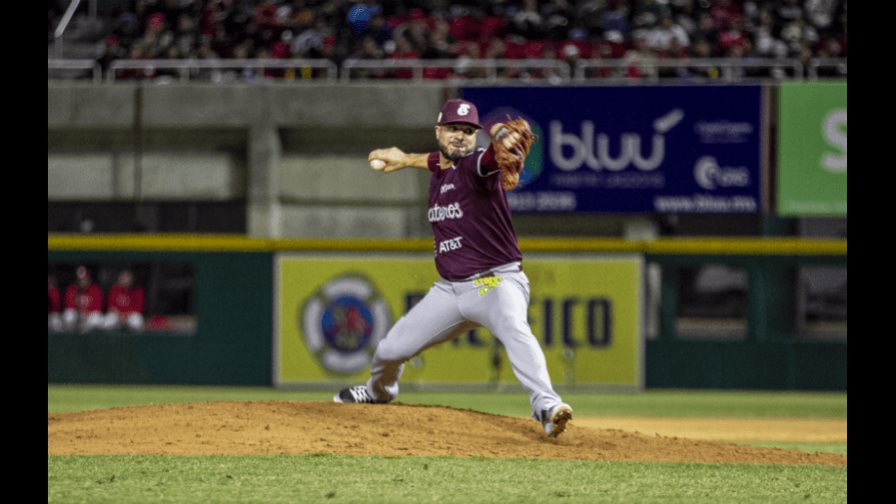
<point>83,303</point>
<point>54,305</point>
<point>125,303</point>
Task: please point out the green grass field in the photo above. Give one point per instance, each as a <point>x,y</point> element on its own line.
<point>337,478</point>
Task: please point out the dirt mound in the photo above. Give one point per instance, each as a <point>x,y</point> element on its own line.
<point>283,427</point>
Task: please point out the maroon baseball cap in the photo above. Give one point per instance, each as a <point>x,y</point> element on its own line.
<point>459,111</point>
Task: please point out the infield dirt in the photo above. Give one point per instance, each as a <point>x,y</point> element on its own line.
<point>283,427</point>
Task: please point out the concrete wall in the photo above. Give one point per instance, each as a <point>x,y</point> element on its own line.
<point>163,175</point>
<point>295,153</point>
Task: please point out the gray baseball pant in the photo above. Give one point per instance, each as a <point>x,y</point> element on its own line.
<point>499,303</point>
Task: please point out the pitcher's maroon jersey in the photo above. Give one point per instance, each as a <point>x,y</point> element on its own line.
<point>470,217</point>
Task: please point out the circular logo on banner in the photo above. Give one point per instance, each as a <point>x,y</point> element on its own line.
<point>343,322</point>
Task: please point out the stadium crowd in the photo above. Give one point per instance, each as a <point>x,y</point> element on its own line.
<point>568,30</point>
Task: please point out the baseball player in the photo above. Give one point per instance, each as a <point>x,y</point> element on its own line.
<point>126,302</point>
<point>477,256</point>
<point>83,303</point>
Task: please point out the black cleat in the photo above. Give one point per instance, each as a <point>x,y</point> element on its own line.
<point>356,394</point>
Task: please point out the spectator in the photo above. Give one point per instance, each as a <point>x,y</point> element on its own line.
<point>708,30</point>
<point>111,51</point>
<point>527,22</point>
<point>157,36</point>
<point>733,40</point>
<point>788,11</point>
<point>668,38</point>
<point>83,303</point>
<point>640,59</point>
<point>125,304</point>
<point>186,38</point>
<point>615,18</point>
<point>368,50</point>
<point>701,49</point>
<point>404,50</point>
<point>765,41</point>
<point>54,305</point>
<point>684,12</point>
<point>725,13</point>
<point>558,16</point>
<point>571,55</point>
<point>309,43</point>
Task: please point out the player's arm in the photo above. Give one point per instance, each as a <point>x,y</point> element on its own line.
<point>396,159</point>
<point>70,297</point>
<point>486,165</point>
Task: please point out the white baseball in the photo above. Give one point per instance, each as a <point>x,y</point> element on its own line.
<point>377,164</point>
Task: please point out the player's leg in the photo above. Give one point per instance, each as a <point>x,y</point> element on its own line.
<point>110,320</point>
<point>93,321</point>
<point>70,319</point>
<point>433,320</point>
<point>503,310</point>
<point>135,321</point>
<point>54,322</point>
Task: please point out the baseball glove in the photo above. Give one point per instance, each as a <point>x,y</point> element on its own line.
<point>511,141</point>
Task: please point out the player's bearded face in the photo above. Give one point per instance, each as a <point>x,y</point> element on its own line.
<point>456,140</point>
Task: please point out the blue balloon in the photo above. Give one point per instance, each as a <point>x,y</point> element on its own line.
<point>358,17</point>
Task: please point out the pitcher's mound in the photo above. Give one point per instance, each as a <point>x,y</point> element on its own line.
<point>284,427</point>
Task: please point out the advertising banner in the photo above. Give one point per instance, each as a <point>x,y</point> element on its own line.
<point>634,149</point>
<point>333,310</point>
<point>812,149</point>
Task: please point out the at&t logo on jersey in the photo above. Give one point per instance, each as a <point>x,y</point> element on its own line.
<point>449,245</point>
<point>343,322</point>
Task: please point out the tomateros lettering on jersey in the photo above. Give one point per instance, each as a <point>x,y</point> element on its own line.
<point>439,213</point>
<point>343,322</point>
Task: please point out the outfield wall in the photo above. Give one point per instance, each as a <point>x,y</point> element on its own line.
<point>236,307</point>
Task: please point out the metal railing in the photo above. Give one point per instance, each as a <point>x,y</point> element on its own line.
<point>836,65</point>
<point>222,70</point>
<point>74,69</point>
<point>467,69</point>
<point>61,27</point>
<point>709,69</point>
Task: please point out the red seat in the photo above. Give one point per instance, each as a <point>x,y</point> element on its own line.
<point>515,50</point>
<point>492,26</point>
<point>464,28</point>
<point>534,49</point>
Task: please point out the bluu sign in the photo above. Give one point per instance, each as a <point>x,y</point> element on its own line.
<point>639,149</point>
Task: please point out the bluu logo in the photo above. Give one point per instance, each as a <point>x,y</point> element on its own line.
<point>593,150</point>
